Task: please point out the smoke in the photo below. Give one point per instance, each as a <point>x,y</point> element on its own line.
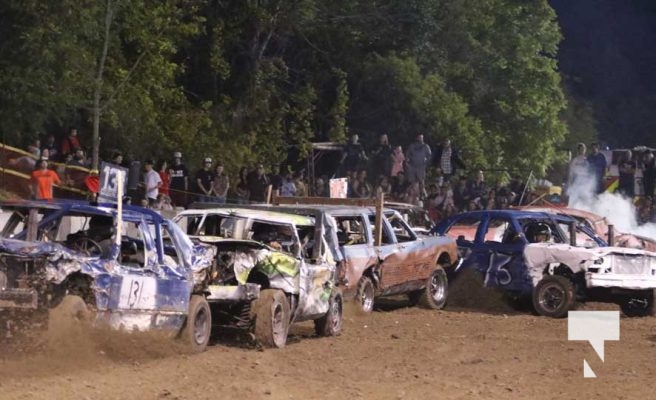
<point>617,209</point>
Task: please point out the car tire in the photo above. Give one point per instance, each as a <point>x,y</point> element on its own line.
<point>331,323</point>
<point>271,316</point>
<point>639,305</point>
<point>66,319</point>
<point>554,296</point>
<point>197,328</point>
<point>365,294</point>
<point>435,294</point>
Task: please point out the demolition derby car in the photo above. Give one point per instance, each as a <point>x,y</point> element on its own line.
<point>134,271</point>
<point>273,269</point>
<point>552,259</point>
<point>397,262</point>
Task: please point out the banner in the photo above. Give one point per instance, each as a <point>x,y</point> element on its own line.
<point>338,188</point>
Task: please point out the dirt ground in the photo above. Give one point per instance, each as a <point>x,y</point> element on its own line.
<point>397,353</point>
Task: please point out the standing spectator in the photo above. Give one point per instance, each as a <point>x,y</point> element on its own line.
<point>398,159</point>
<point>597,163</point>
<point>152,183</point>
<point>288,188</point>
<point>353,155</point>
<point>221,184</point>
<point>43,180</point>
<point>165,176</point>
<point>478,187</point>
<point>578,168</point>
<point>35,148</point>
<point>627,167</point>
<point>649,174</point>
<point>418,157</point>
<point>276,178</point>
<point>258,183</point>
<point>448,159</point>
<point>204,180</point>
<point>299,182</point>
<point>70,142</point>
<point>382,158</point>
<point>51,146</point>
<point>241,190</point>
<point>179,183</point>
<point>117,158</point>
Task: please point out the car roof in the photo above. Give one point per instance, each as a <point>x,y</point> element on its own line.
<point>130,213</point>
<point>506,213</point>
<point>261,214</point>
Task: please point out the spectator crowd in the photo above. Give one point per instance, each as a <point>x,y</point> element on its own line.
<point>435,178</point>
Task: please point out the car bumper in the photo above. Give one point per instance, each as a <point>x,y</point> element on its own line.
<point>624,281</point>
<point>246,292</point>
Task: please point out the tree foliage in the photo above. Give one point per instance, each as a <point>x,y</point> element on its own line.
<point>251,81</point>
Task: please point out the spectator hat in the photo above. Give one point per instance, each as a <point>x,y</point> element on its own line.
<point>208,160</point>
<point>177,154</point>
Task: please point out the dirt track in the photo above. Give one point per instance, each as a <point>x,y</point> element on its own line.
<point>400,353</point>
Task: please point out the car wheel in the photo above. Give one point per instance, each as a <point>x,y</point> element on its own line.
<point>197,329</point>
<point>640,304</point>
<point>365,294</point>
<point>331,323</point>
<point>436,291</point>
<point>271,314</point>
<point>554,296</point>
<point>71,315</point>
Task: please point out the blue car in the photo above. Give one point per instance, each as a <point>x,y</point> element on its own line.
<point>78,260</point>
<point>494,242</point>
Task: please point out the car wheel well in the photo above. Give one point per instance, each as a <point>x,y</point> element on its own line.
<point>444,260</point>
<point>76,284</point>
<point>259,278</point>
<point>561,270</point>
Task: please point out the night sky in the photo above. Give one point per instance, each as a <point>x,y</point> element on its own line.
<point>608,58</point>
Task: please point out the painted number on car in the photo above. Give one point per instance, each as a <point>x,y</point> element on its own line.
<point>138,293</point>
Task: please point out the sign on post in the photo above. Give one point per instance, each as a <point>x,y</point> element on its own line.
<point>108,190</point>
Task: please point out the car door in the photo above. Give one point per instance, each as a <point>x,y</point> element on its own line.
<point>396,262</point>
<point>500,253</point>
<point>355,241</point>
<point>151,280</point>
<point>464,228</point>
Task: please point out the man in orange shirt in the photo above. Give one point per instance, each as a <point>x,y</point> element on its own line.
<point>42,181</point>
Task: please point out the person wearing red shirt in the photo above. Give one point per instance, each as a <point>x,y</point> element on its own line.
<point>42,181</point>
<point>70,143</point>
<point>165,175</point>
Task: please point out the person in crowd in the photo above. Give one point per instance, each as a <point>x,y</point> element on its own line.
<point>649,174</point>
<point>179,183</point>
<point>163,203</point>
<point>397,160</point>
<point>204,180</point>
<point>258,182</point>
<point>35,148</point>
<point>381,157</point>
<point>288,188</point>
<point>165,176</point>
<point>461,194</point>
<point>151,182</point>
<point>478,187</point>
<point>578,167</point>
<point>75,168</point>
<point>597,163</point>
<point>221,184</point>
<point>418,158</point>
<point>473,205</point>
<point>70,142</point>
<point>435,202</point>
<point>301,186</point>
<point>447,159</point>
<point>399,186</point>
<point>51,146</point>
<point>353,155</point>
<point>117,158</point>
<point>627,168</point>
<point>320,188</point>
<point>361,187</point>
<point>413,194</point>
<point>276,178</point>
<point>384,186</point>
<point>43,180</point>
<point>241,190</point>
